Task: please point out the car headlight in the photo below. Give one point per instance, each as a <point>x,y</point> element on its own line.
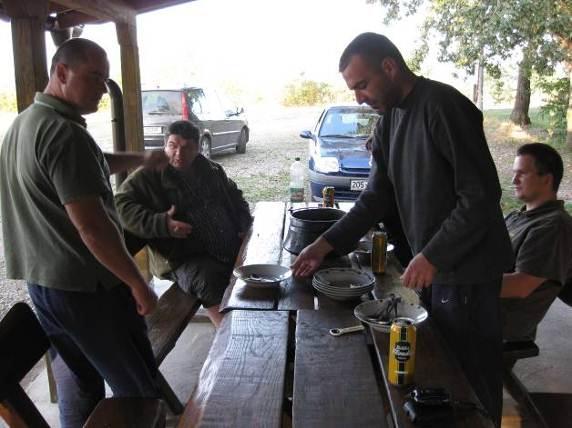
<point>326,164</point>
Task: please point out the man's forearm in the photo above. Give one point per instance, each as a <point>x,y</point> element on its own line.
<point>104,241</point>
<point>519,285</point>
<point>108,248</point>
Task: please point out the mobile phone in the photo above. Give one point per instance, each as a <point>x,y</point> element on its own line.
<point>430,396</point>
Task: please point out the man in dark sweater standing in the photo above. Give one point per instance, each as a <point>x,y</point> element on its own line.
<point>432,168</point>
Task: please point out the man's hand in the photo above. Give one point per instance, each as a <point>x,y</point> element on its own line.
<point>311,257</point>
<point>419,273</point>
<point>145,299</point>
<point>177,229</point>
<point>155,159</point>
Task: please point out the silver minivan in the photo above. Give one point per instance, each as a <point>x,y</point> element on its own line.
<point>221,129</point>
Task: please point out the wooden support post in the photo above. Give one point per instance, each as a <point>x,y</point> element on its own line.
<point>28,40</point>
<point>131,85</point>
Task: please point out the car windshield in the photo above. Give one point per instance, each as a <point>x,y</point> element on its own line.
<point>344,123</point>
<point>162,102</point>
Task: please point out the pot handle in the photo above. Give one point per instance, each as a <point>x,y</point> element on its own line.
<point>292,209</point>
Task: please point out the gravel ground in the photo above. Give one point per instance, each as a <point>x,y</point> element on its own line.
<point>262,173</point>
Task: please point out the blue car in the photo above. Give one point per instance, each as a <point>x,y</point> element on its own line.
<point>338,156</point>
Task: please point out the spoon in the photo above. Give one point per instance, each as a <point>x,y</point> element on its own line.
<point>340,331</point>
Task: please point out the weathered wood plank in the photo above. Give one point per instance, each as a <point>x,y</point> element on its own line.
<point>131,84</point>
<point>109,10</point>
<point>174,310</point>
<point>434,367</point>
<point>28,19</point>
<point>334,379</point>
<point>296,293</point>
<point>263,245</point>
<point>242,381</point>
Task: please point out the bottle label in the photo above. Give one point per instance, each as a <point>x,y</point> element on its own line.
<point>296,194</point>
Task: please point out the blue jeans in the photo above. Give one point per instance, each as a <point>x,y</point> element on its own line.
<point>95,337</point>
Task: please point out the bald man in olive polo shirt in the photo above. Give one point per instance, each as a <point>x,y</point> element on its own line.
<point>63,237</point>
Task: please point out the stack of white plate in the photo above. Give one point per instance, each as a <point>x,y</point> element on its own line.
<point>343,283</point>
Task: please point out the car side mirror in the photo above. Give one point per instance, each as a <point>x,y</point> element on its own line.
<point>240,110</point>
<point>306,134</point>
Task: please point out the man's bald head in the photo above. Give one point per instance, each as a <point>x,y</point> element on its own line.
<point>75,51</point>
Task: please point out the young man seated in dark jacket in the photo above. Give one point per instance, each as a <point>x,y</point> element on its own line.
<point>541,235</point>
<point>191,215</point>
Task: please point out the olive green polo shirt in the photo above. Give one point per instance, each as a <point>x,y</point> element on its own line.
<point>542,242</point>
<point>48,159</point>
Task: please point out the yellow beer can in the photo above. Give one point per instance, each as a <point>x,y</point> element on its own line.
<point>402,341</point>
<point>328,196</point>
<point>378,252</point>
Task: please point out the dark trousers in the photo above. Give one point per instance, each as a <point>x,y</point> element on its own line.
<point>97,337</point>
<point>468,317</point>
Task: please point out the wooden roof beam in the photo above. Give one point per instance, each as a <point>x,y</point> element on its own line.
<point>107,10</point>
<point>28,19</point>
<point>72,18</point>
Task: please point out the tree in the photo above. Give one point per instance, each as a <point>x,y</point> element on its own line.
<point>490,31</point>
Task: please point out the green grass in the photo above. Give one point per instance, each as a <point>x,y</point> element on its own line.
<point>538,120</point>
<point>264,187</point>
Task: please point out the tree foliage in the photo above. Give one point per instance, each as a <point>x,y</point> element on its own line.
<point>491,31</point>
<point>307,93</point>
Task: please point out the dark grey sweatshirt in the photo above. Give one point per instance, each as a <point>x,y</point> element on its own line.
<point>433,169</point>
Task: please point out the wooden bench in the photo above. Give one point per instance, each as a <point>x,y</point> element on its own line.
<point>512,352</point>
<point>173,313</point>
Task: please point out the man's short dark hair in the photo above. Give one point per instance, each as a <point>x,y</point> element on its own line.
<point>546,159</point>
<point>184,129</point>
<point>373,48</point>
<point>75,51</point>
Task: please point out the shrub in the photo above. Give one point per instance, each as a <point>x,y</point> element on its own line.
<point>308,93</point>
<point>8,102</point>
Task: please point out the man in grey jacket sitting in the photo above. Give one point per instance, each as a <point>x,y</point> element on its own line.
<point>191,215</point>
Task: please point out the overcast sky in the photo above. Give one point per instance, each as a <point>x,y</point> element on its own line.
<point>257,45</point>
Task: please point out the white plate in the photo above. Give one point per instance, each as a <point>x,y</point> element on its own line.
<point>347,293</point>
<point>344,287</point>
<point>343,277</point>
<point>364,310</point>
<point>262,275</point>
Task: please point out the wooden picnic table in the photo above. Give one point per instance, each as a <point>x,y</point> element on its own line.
<point>273,362</point>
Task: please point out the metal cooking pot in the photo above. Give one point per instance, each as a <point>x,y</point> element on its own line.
<point>307,224</point>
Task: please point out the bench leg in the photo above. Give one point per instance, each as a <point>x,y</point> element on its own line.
<point>522,397</point>
<point>51,380</point>
<point>169,395</point>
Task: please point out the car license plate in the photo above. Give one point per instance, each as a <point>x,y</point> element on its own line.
<point>155,130</point>
<point>358,185</point>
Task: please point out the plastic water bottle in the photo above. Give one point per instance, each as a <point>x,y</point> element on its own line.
<point>297,181</point>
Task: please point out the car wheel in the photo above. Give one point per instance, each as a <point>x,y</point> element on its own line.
<point>241,145</point>
<point>205,147</point>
